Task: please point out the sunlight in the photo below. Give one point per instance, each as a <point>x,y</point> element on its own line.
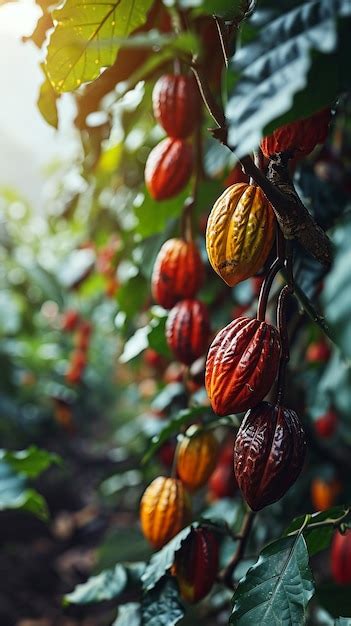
<point>18,18</point>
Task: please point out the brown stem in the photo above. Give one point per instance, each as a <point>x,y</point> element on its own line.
<point>283,330</point>
<point>265,289</point>
<point>223,38</point>
<point>227,574</point>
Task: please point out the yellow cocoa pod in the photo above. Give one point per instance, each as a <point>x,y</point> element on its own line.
<point>240,233</point>
<point>196,457</point>
<point>164,510</point>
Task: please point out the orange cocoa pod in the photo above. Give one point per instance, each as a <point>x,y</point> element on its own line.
<point>188,330</point>
<point>196,457</point>
<point>178,272</point>
<point>196,564</point>
<point>168,168</point>
<point>299,137</point>
<point>341,558</point>
<point>164,510</point>
<point>324,494</point>
<point>240,233</point>
<point>176,104</point>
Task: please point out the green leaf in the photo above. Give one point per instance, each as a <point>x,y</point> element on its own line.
<point>153,216</point>
<point>277,589</point>
<point>132,295</point>
<point>107,585</point>
<point>47,103</point>
<point>87,38</point>
<point>317,539</point>
<point>14,493</point>
<point>297,65</point>
<point>128,615</point>
<point>31,461</point>
<point>161,606</point>
<point>162,561</point>
<point>343,621</point>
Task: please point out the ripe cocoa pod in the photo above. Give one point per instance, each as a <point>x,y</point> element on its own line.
<point>196,457</point>
<point>168,168</point>
<point>269,453</point>
<point>324,493</point>
<point>318,352</point>
<point>178,272</point>
<point>299,137</point>
<point>241,365</point>
<point>196,564</point>
<point>240,233</point>
<point>341,558</point>
<point>326,424</point>
<point>176,104</point>
<point>187,330</point>
<point>164,510</point>
<point>222,482</point>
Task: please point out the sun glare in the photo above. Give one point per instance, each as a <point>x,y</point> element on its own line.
<point>18,18</point>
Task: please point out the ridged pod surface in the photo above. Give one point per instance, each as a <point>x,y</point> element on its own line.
<point>241,365</point>
<point>324,493</point>
<point>168,168</point>
<point>240,233</point>
<point>299,137</point>
<point>269,453</point>
<point>196,564</point>
<point>164,510</point>
<point>196,457</point>
<point>178,272</point>
<point>187,330</point>
<point>176,104</point>
<point>341,558</point>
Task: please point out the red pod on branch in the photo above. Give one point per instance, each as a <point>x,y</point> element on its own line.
<point>299,137</point>
<point>168,168</point>
<point>196,564</point>
<point>326,424</point>
<point>242,364</point>
<point>341,558</point>
<point>188,330</point>
<point>269,453</point>
<point>178,272</point>
<point>176,104</point>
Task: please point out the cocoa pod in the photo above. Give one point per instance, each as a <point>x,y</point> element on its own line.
<point>187,330</point>
<point>240,233</point>
<point>326,425</point>
<point>196,457</point>
<point>168,168</point>
<point>340,557</point>
<point>178,272</point>
<point>196,564</point>
<point>176,104</point>
<point>269,453</point>
<point>324,493</point>
<point>164,510</point>
<point>299,137</point>
<point>241,365</point>
<point>222,482</point>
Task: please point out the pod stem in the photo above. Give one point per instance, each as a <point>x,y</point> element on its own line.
<point>265,289</point>
<point>283,331</point>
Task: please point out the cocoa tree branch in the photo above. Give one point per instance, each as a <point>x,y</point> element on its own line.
<point>227,574</point>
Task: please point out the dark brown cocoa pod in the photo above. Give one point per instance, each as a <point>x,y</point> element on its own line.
<point>269,453</point>
<point>188,330</point>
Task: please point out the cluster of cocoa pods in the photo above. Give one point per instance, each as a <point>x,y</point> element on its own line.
<point>176,106</point>
<point>71,321</point>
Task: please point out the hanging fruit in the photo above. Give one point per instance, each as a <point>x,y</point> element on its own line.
<point>178,272</point>
<point>324,493</point>
<point>196,564</point>
<point>318,352</point>
<point>341,558</point>
<point>299,137</point>
<point>164,510</point>
<point>326,424</point>
<point>269,453</point>
<point>242,364</point>
<point>240,233</point>
<point>222,482</point>
<point>196,457</point>
<point>188,330</point>
<point>176,104</point>
<point>168,168</point>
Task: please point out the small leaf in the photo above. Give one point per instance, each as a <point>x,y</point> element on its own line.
<point>14,493</point>
<point>161,606</point>
<point>47,102</point>
<point>31,461</point>
<point>162,561</point>
<point>277,589</point>
<point>128,615</point>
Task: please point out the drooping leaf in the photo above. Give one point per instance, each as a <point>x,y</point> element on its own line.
<point>107,585</point>
<point>277,589</point>
<point>87,38</point>
<point>161,606</point>
<point>162,561</point>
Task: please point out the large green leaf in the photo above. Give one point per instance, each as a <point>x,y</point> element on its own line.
<point>277,589</point>
<point>87,38</point>
<point>298,58</point>
<point>162,561</point>
<point>161,606</point>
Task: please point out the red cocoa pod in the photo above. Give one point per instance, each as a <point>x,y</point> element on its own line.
<point>318,352</point>
<point>340,557</point>
<point>70,320</point>
<point>222,482</point>
<point>176,104</point>
<point>178,272</point>
<point>269,453</point>
<point>164,510</point>
<point>188,330</point>
<point>326,424</point>
<point>196,564</point>
<point>324,493</point>
<point>241,365</point>
<point>168,168</point>
<point>299,137</point>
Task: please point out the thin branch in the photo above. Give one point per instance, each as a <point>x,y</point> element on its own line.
<point>227,574</point>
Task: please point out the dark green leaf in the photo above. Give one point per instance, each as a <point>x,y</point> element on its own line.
<point>31,461</point>
<point>277,589</point>
<point>161,606</point>
<point>162,561</point>
<point>128,615</point>
<point>107,585</point>
<point>14,493</point>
